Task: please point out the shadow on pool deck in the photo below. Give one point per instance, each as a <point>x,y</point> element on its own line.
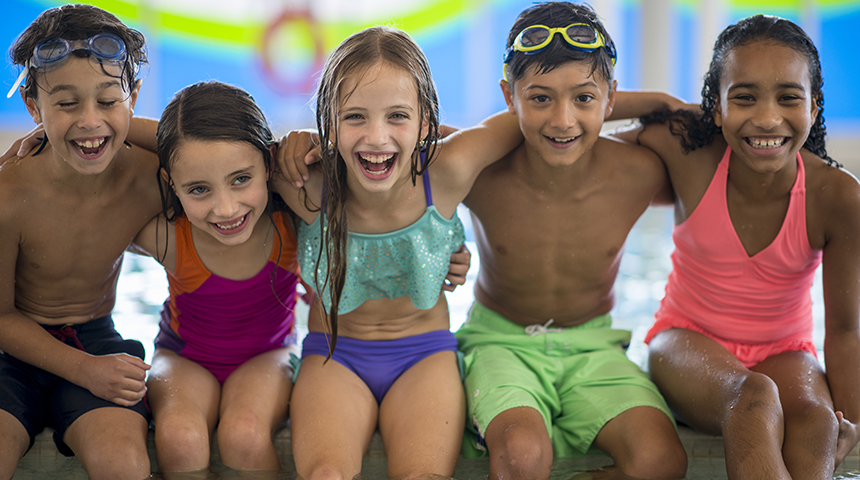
<point>705,454</point>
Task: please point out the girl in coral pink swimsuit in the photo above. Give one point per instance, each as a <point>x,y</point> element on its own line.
<point>759,205</point>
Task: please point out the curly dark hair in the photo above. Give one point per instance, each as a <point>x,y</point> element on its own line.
<point>77,22</point>
<point>699,130</point>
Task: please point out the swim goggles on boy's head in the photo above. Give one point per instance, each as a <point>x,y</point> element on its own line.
<point>105,47</point>
<point>580,36</point>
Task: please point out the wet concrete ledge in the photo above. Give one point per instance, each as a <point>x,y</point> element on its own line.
<point>705,452</point>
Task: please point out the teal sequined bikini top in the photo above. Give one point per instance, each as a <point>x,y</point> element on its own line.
<point>412,261</point>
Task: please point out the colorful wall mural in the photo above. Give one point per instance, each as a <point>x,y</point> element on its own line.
<point>275,48</point>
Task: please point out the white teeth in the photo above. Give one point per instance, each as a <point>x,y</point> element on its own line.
<point>90,143</point>
<point>372,158</point>
<point>766,142</point>
<point>562,140</point>
<point>231,227</point>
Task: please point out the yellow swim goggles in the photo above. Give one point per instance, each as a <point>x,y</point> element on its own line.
<point>580,36</point>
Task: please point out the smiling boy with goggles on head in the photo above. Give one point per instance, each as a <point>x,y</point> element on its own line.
<point>104,47</point>
<point>546,374</point>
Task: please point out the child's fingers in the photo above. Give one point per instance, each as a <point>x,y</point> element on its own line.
<point>28,142</point>
<point>314,156</point>
<point>130,395</point>
<point>12,152</point>
<point>291,156</point>
<point>134,361</point>
<point>286,162</point>
<point>457,269</point>
<point>462,258</point>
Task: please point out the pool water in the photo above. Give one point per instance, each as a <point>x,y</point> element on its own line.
<point>639,288</point>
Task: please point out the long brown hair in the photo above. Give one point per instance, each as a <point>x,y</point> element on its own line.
<point>353,58</point>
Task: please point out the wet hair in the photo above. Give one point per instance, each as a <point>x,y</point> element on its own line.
<point>350,61</point>
<point>77,22</point>
<point>210,111</point>
<point>213,111</point>
<point>558,52</point>
<point>699,130</point>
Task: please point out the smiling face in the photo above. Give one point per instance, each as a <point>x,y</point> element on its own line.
<point>560,112</point>
<point>222,187</point>
<point>765,106</point>
<point>85,113</point>
<point>378,127</point>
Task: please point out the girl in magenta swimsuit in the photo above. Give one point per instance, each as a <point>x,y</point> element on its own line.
<point>227,329</point>
<point>759,205</point>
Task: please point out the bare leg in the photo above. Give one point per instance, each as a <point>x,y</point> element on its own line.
<point>14,444</point>
<point>661,456</point>
<point>422,418</point>
<point>333,415</point>
<point>254,403</point>
<point>184,398</point>
<point>811,429</point>
<point>519,445</point>
<point>110,443</point>
<point>712,391</point>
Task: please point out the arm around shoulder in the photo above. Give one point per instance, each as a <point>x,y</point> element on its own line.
<point>142,132</point>
<point>634,104</point>
<point>466,152</point>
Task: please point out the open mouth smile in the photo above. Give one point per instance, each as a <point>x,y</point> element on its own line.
<point>376,163</point>
<point>231,227</point>
<point>91,146</point>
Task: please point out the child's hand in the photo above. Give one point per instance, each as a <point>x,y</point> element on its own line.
<point>23,145</point>
<point>460,262</point>
<point>295,152</point>
<point>849,435</point>
<point>119,378</point>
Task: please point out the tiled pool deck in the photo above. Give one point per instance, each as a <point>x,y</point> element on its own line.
<point>639,289</point>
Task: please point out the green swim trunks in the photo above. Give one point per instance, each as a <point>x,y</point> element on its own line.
<point>578,378</point>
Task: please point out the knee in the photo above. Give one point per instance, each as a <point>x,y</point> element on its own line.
<point>122,462</point>
<point>657,461</point>
<point>812,418</point>
<point>244,442</point>
<point>324,472</point>
<point>520,453</point>
<point>182,444</point>
<point>756,394</point>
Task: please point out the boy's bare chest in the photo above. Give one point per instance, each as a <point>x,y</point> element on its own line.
<point>564,232</point>
<point>78,235</point>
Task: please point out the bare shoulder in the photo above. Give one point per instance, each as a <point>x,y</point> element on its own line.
<point>832,203</point>
<point>834,190</point>
<point>157,240</point>
<point>461,156</point>
<point>627,159</point>
<point>141,165</point>
<point>497,180</point>
<point>20,182</point>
